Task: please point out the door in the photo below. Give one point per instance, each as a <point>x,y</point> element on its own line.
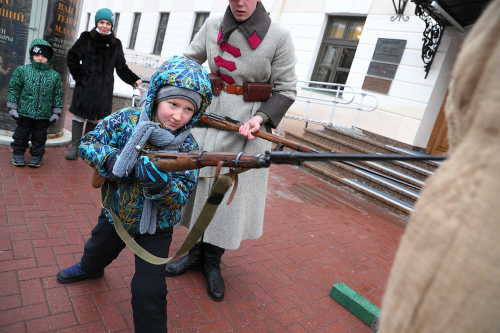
<point>438,142</point>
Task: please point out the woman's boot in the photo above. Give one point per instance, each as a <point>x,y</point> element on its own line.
<point>193,260</point>
<point>211,271</point>
<point>76,135</point>
<point>89,127</point>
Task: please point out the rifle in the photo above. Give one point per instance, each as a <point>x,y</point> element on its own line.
<point>173,162</point>
<point>229,124</point>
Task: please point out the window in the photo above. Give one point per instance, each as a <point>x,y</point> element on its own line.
<point>135,28</point>
<point>200,19</point>
<point>337,49</point>
<point>88,21</point>
<point>160,35</point>
<point>115,26</point>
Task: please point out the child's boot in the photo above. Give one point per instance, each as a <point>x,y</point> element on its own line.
<point>75,273</point>
<point>35,161</point>
<point>18,160</point>
<point>76,135</point>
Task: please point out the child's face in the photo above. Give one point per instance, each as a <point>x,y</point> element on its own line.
<point>104,26</point>
<point>174,113</point>
<point>40,58</point>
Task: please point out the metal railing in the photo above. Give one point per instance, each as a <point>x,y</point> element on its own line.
<point>143,66</point>
<point>338,95</point>
<point>335,95</point>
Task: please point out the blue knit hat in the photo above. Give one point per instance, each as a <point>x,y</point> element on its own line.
<point>105,14</point>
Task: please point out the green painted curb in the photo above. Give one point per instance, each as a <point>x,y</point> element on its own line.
<point>357,304</point>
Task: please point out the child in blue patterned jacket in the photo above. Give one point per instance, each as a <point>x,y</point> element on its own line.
<point>148,203</point>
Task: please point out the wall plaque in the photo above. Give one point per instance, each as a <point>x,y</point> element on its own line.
<point>389,50</point>
<point>376,84</point>
<point>381,69</point>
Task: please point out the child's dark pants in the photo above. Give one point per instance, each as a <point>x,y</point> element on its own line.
<point>30,129</point>
<point>149,289</point>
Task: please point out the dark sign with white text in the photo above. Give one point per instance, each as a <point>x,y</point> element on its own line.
<point>389,50</point>
<point>381,69</point>
<point>15,17</point>
<point>61,29</point>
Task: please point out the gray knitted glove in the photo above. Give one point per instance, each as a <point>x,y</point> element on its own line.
<point>54,119</point>
<point>14,114</point>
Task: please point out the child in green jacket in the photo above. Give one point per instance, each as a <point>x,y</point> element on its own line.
<point>35,102</point>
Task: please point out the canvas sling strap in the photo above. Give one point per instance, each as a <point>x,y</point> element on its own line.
<point>221,185</point>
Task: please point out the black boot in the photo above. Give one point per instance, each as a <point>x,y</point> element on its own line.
<point>89,127</point>
<point>193,260</point>
<point>211,271</point>
<point>76,135</point>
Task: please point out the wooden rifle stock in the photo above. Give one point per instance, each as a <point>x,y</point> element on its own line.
<point>229,124</point>
<point>173,162</point>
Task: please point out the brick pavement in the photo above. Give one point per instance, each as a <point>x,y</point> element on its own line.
<point>314,236</point>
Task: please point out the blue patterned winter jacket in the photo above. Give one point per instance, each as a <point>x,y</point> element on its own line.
<point>113,132</point>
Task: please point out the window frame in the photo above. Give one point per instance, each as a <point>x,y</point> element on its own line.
<point>195,28</point>
<point>88,21</point>
<point>115,25</point>
<point>135,30</point>
<point>158,33</point>
<point>341,44</point>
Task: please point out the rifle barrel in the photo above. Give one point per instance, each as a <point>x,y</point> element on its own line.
<point>289,157</point>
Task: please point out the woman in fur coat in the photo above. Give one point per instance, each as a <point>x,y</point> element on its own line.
<point>92,61</point>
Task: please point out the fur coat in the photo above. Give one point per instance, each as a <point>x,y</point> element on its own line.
<point>92,61</point>
<point>446,275</point>
<point>256,50</point>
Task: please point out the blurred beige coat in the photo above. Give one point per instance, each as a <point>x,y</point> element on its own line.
<point>446,275</point>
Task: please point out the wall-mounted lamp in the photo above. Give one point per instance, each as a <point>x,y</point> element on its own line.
<point>400,9</point>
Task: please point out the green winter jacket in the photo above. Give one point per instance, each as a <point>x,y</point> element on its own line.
<point>35,89</point>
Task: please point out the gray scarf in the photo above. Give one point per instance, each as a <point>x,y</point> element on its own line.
<point>146,130</point>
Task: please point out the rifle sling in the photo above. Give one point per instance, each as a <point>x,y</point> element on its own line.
<point>220,187</point>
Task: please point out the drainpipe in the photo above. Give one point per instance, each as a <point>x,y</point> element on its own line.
<point>280,8</point>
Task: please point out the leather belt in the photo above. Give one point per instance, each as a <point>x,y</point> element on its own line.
<point>238,90</point>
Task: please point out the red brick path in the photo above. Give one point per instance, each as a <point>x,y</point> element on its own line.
<point>314,236</point>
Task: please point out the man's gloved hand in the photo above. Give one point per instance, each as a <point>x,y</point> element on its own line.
<point>54,119</point>
<point>110,163</point>
<point>148,176</point>
<point>14,114</point>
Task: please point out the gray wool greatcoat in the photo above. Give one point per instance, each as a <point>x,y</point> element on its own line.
<point>272,60</point>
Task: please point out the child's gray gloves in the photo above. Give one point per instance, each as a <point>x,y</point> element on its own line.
<point>54,119</point>
<point>110,163</point>
<point>14,114</point>
<point>149,177</point>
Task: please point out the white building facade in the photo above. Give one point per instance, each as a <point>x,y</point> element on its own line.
<point>335,41</point>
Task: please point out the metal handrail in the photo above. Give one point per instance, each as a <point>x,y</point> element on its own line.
<point>339,92</point>
<point>146,64</point>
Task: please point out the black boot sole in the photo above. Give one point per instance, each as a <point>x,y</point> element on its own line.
<point>215,299</point>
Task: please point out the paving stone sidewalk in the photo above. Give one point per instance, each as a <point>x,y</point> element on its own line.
<point>314,236</point>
